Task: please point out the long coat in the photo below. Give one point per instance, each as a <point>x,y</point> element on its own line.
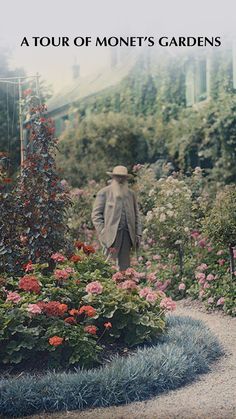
<point>106,215</point>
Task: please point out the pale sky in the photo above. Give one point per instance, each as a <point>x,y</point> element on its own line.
<point>93,18</point>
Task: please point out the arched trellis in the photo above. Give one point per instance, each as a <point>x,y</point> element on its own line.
<point>19,81</point>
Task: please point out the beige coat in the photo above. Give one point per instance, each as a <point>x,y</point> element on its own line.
<point>106,215</point>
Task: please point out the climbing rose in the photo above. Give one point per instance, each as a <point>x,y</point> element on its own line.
<point>182,286</point>
<point>58,257</point>
<point>200,276</point>
<point>210,277</point>
<point>91,329</point>
<point>55,340</point>
<point>13,296</point>
<point>29,283</point>
<point>168,304</point>
<point>88,310</point>
<point>221,262</point>
<point>34,309</point>
<point>94,287</point>
<point>202,267</point>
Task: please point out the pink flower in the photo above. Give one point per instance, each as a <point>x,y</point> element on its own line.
<point>151,277</point>
<point>34,309</point>
<point>13,296</point>
<point>58,257</point>
<point>148,263</point>
<point>221,262</point>
<point>156,257</point>
<point>69,270</point>
<point>209,249</point>
<point>195,234</point>
<point>129,272</point>
<point>145,291</point>
<point>137,167</point>
<point>61,274</point>
<point>200,276</point>
<point>168,304</point>
<point>140,258</point>
<point>29,266</point>
<point>206,285</point>
<point>210,300</point>
<point>129,284</point>
<point>220,302</point>
<point>94,287</point>
<point>151,297</point>
<point>182,286</point>
<point>162,286</point>
<point>220,252</point>
<point>117,277</point>
<point>210,277</point>
<point>202,267</point>
<point>202,243</point>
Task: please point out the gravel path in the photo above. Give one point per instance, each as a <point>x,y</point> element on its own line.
<point>212,396</point>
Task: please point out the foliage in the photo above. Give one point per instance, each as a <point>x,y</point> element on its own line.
<point>67,317</point>
<point>99,143</point>
<point>185,351</point>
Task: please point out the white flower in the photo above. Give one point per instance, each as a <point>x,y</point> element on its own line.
<point>162,217</point>
<point>149,216</point>
<point>170,213</point>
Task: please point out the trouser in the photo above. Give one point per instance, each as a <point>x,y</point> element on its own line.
<point>120,249</point>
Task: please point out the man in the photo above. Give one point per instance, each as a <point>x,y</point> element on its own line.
<point>115,217</point>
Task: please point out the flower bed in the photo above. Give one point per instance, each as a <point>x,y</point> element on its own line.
<point>186,350</point>
<point>69,316</point>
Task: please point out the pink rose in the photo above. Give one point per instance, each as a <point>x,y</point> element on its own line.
<point>202,243</point>
<point>210,277</point>
<point>156,257</point>
<point>94,287</point>
<point>117,277</point>
<point>206,285</point>
<point>220,252</point>
<point>168,304</point>
<point>162,286</point>
<point>220,302</point>
<point>202,267</point>
<point>69,270</point>
<point>200,276</point>
<point>13,296</point>
<point>58,257</point>
<point>210,300</point>
<point>34,309</point>
<point>182,286</point>
<point>148,263</point>
<point>221,262</point>
<point>195,234</point>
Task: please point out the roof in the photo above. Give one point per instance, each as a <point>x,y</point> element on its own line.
<point>95,83</point>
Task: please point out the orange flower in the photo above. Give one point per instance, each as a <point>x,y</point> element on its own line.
<point>107,325</point>
<point>79,244</point>
<point>70,320</point>
<point>73,312</point>
<point>63,308</point>
<point>88,249</point>
<point>75,258</point>
<point>55,340</point>
<point>88,310</point>
<point>91,329</point>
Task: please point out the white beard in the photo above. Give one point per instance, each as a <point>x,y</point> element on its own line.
<point>119,189</point>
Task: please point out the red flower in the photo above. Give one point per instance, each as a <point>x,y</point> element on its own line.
<point>107,325</point>
<point>79,244</point>
<point>75,258</point>
<point>29,283</point>
<point>73,312</point>
<point>53,308</point>
<point>88,310</point>
<point>70,320</point>
<point>7,180</point>
<point>28,266</point>
<point>55,340</point>
<point>91,329</point>
<point>88,249</point>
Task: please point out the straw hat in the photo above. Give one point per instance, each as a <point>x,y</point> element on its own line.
<point>119,171</point>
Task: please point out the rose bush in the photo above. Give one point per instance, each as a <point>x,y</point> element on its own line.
<point>69,316</point>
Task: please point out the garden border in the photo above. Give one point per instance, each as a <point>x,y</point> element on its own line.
<point>175,359</point>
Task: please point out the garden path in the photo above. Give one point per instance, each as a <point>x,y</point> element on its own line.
<point>212,396</point>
